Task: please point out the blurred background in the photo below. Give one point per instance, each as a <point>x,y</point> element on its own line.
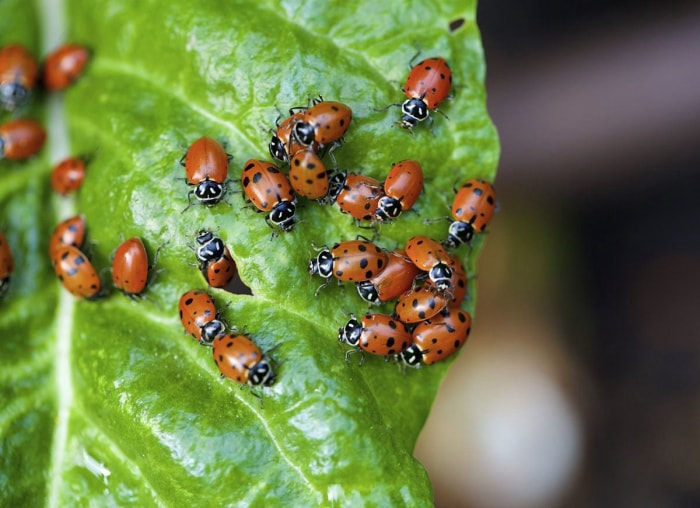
<point>580,386</point>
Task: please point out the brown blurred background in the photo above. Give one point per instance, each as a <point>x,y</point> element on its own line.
<point>580,386</point>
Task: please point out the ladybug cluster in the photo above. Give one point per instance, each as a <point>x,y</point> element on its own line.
<point>235,354</point>
<point>424,279</point>
<point>21,77</point>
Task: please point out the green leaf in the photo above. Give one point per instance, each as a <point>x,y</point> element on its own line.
<point>108,402</point>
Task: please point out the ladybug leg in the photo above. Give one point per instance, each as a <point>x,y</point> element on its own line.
<point>352,351</point>
<point>155,256</point>
<point>413,58</point>
<point>336,144</point>
<point>325,284</point>
<point>387,107</point>
<point>443,114</point>
<point>189,201</point>
<point>433,221</point>
<point>182,159</point>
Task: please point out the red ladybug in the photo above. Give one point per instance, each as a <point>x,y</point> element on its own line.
<point>323,123</point>
<point>239,359</point>
<point>397,277</point>
<point>21,139</point>
<point>472,209</point>
<point>377,334</point>
<point>429,255</point>
<point>130,267</point>
<point>206,167</point>
<point>427,85</point>
<point>438,338</point>
<point>270,191</point>
<point>355,260</point>
<point>402,186</point>
<point>219,273</point>
<point>69,232</point>
<point>67,176</point>
<point>18,75</point>
<point>199,317</point>
<point>76,273</point>
<point>64,66</point>
<point>358,196</point>
<point>419,304</point>
<point>308,175</point>
<point>7,264</point>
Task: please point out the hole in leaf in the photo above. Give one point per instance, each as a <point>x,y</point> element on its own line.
<point>456,24</point>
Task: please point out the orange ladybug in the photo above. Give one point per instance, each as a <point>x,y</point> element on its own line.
<point>64,66</point>
<point>67,176</point>
<point>18,75</point>
<point>21,139</point>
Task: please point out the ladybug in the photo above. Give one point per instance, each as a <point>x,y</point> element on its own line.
<point>211,248</point>
<point>472,209</point>
<point>270,191</point>
<point>397,277</point>
<point>76,273</point>
<point>130,267</point>
<point>219,273</point>
<point>308,175</point>
<point>419,304</point>
<point>283,146</point>
<point>199,317</point>
<point>20,139</point>
<point>18,75</point>
<point>354,260</point>
<point>64,66</point>
<point>323,123</point>
<point>206,167</point>
<point>438,338</point>
<point>67,176</point>
<point>238,358</point>
<point>427,85</point>
<point>7,264</point>
<point>430,256</point>
<point>359,196</point>
<point>69,232</point>
<point>377,334</point>
<point>402,186</point>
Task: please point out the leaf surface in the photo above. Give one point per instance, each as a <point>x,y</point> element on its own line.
<point>107,402</point>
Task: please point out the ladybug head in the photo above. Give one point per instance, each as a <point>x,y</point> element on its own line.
<point>13,95</point>
<point>322,264</point>
<point>368,292</point>
<point>261,373</point>
<point>277,149</point>
<point>351,332</point>
<point>388,208</point>
<point>414,111</point>
<point>204,236</point>
<point>459,232</point>
<point>212,247</point>
<point>282,215</point>
<point>212,330</point>
<point>336,182</point>
<point>304,133</point>
<point>441,274</point>
<point>209,192</point>
<point>411,356</point>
